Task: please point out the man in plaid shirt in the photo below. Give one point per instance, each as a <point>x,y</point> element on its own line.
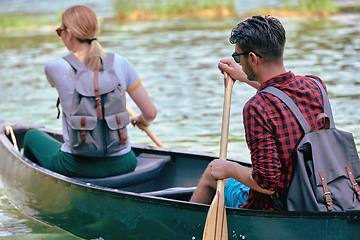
<point>272,131</point>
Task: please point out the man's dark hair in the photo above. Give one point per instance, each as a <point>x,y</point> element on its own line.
<point>263,35</point>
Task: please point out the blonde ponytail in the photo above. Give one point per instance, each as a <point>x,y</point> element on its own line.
<point>93,56</point>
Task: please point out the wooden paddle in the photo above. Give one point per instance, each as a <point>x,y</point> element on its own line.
<point>216,224</point>
<point>146,129</point>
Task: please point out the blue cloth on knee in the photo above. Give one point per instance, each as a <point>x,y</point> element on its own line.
<point>235,193</point>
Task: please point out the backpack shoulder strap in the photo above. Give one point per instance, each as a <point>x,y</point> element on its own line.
<point>74,61</point>
<point>327,106</point>
<point>290,104</point>
<point>109,60</point>
<point>78,64</point>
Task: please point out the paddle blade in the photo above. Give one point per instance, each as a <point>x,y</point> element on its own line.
<point>216,223</point>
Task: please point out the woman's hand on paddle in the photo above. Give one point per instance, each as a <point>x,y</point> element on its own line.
<point>139,121</point>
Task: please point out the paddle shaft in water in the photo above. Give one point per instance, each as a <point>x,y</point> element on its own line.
<point>146,129</point>
<point>216,223</point>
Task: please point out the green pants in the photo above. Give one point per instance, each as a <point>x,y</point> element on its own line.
<point>41,148</point>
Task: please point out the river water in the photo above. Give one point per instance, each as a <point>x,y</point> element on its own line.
<point>177,60</point>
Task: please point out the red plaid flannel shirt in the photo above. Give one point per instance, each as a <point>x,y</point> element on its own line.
<point>272,133</point>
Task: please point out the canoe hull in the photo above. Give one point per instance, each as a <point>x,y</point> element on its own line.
<point>91,211</point>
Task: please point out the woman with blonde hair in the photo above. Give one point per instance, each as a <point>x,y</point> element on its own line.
<point>78,31</point>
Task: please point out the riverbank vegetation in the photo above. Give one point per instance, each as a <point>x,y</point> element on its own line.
<point>17,23</point>
<point>141,10</point>
<point>144,10</point>
<point>23,21</point>
<point>303,8</point>
<point>311,6</point>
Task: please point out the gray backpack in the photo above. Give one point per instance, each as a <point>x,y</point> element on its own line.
<point>98,116</point>
<point>327,170</point>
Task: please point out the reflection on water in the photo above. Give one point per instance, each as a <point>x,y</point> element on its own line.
<point>177,60</point>
<point>14,225</point>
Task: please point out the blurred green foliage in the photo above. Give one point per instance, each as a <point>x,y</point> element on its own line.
<point>19,20</point>
<point>311,5</point>
<point>168,8</point>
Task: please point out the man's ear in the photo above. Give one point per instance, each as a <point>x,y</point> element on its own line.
<point>253,58</point>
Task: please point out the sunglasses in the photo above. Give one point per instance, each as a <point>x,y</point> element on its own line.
<point>59,31</point>
<point>236,55</point>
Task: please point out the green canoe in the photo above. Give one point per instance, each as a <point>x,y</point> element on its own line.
<point>149,203</point>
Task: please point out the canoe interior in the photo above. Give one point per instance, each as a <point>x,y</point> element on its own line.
<point>176,178</point>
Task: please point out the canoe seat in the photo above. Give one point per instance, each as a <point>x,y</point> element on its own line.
<point>149,166</point>
<point>178,193</point>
